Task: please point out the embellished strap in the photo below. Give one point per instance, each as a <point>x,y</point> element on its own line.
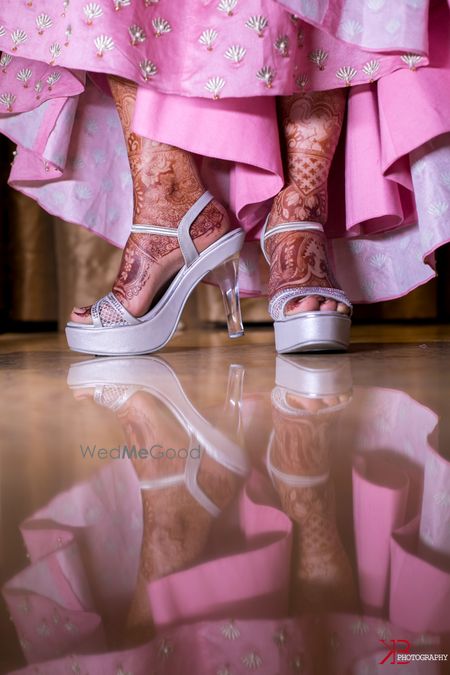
<point>113,396</point>
<point>108,312</point>
<point>278,302</point>
<point>295,226</point>
<point>183,233</point>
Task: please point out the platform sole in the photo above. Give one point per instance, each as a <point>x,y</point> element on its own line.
<point>313,332</point>
<point>157,327</point>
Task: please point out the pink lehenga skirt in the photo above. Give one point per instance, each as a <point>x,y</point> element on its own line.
<point>208,74</point>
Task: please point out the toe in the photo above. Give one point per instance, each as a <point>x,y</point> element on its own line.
<point>81,315</point>
<point>341,307</point>
<point>328,306</point>
<point>309,304</point>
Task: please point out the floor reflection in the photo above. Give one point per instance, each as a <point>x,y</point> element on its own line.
<point>251,519</point>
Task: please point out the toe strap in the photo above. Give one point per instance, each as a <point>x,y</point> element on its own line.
<point>279,301</point>
<point>109,312</point>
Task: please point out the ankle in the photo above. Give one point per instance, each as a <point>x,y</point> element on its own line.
<point>165,208</point>
<point>291,205</point>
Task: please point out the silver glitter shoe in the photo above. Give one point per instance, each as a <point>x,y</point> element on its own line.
<point>316,331</point>
<point>115,331</point>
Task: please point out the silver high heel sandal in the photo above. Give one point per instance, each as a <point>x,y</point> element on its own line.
<point>115,331</point>
<point>307,331</point>
<point>116,380</point>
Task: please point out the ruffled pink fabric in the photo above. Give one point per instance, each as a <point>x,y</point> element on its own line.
<point>230,610</point>
<point>389,189</point>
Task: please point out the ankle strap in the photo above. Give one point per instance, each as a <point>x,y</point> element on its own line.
<point>296,226</point>
<point>183,230</point>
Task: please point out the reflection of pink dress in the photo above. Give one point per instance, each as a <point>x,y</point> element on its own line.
<point>390,189</point>
<point>228,613</point>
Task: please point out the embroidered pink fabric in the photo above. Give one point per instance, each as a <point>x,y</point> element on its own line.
<point>218,68</point>
<point>230,608</point>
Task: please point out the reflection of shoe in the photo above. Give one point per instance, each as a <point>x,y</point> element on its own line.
<point>312,377</point>
<point>309,331</point>
<point>116,380</point>
<point>115,331</point>
<point>325,381</point>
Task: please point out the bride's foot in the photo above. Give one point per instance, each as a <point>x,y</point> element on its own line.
<point>298,259</point>
<point>166,183</point>
<point>150,261</point>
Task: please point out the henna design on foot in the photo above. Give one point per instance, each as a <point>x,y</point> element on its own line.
<point>323,578</point>
<point>311,125</point>
<point>166,184</point>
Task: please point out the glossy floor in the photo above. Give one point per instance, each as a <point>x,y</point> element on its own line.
<point>217,509</point>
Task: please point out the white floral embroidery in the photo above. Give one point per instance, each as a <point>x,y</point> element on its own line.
<point>43,629</point>
<point>438,208</point>
<point>375,5</point>
<point>148,69</point>
<point>442,499</point>
<point>137,34</point>
<point>416,4</point>
<point>227,6</point>
<point>55,51</point>
<point>319,57</point>
<point>83,192</point>
<point>302,80</point>
<point>393,26</point>
<point>5,60</point>
<point>411,60</point>
<point>351,28</point>
<point>252,661</point>
<point>161,26</point>
<point>18,37</point>
<point>230,631</point>
<point>258,24</point>
<point>267,75</point>
<point>92,11</point>
<point>8,99</point>
<point>208,38</point>
<point>43,23</point>
<point>24,76</point>
<point>165,649</point>
<point>119,4</point>
<point>235,53</point>
<point>103,43</point>
<point>52,79</point>
<point>371,68</point>
<point>280,637</point>
<point>38,87</point>
<point>282,45</point>
<point>298,663</point>
<point>121,671</point>
<point>359,627</point>
<point>347,73</point>
<point>383,632</point>
<point>68,34</point>
<point>215,86</point>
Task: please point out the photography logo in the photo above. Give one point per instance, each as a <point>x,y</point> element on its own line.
<point>399,653</point>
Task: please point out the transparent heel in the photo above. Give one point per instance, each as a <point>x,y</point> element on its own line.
<point>226,277</point>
